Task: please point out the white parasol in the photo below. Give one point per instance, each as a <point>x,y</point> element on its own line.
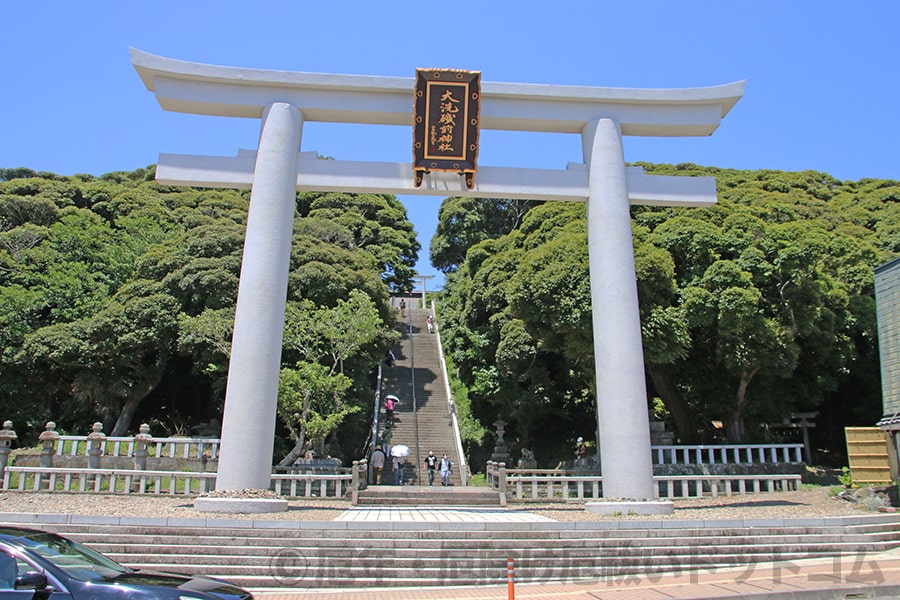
<point>392,397</point>
<point>400,450</point>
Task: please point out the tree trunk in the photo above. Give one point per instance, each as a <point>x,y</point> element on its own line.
<point>734,429</point>
<point>126,415</point>
<point>734,426</point>
<point>663,381</point>
<point>296,452</point>
<point>300,436</point>
<point>132,401</point>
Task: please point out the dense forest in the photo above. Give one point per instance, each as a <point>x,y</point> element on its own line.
<point>117,298</point>
<point>753,309</point>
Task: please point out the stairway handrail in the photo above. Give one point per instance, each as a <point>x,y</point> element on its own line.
<point>373,441</point>
<point>451,404</point>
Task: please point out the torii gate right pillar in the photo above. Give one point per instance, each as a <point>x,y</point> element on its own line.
<point>622,415</point>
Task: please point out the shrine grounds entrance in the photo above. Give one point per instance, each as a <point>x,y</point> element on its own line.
<point>284,101</point>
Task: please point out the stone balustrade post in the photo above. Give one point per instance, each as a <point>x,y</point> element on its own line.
<point>48,439</point>
<point>7,435</point>
<point>358,472</point>
<point>501,478</point>
<point>95,445</point>
<point>141,442</point>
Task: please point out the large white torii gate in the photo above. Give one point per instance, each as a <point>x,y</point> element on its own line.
<point>277,170</point>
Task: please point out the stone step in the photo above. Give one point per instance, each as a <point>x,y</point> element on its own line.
<point>428,496</point>
<point>587,547</point>
<point>344,555</point>
<point>431,502</point>
<point>432,425</point>
<point>401,557</point>
<point>297,569</point>
<point>465,564</point>
<point>568,533</point>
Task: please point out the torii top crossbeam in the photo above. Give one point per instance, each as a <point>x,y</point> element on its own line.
<point>196,88</point>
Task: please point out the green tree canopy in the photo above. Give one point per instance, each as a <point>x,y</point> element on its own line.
<point>463,222</point>
<point>117,296</point>
<point>756,307</point>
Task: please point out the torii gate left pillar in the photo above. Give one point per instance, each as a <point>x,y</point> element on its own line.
<point>253,372</point>
<point>285,100</point>
<point>618,348</point>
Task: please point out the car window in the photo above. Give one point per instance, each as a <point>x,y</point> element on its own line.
<point>78,561</point>
<point>9,569</point>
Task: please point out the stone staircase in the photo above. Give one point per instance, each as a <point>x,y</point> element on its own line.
<point>395,495</point>
<point>338,554</point>
<point>417,371</point>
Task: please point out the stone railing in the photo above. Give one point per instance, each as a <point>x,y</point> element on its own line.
<point>121,481</point>
<point>319,480</point>
<point>713,457</point>
<point>558,484</point>
<point>162,447</point>
<point>109,481</point>
<point>454,419</point>
<point>699,486</point>
<point>728,454</point>
<point>58,450</point>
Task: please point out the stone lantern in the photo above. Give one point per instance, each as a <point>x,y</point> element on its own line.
<point>48,439</point>
<point>7,435</point>
<point>501,452</point>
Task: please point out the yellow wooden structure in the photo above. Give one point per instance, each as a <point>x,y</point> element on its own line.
<point>867,453</point>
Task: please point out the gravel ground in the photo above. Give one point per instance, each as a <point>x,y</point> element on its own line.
<point>807,503</point>
<point>811,503</point>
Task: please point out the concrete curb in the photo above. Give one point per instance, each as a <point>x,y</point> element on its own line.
<point>53,519</point>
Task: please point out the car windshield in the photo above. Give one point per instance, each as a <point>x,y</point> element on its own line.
<point>76,560</point>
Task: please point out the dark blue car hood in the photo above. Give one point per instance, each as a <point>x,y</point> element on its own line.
<point>150,582</point>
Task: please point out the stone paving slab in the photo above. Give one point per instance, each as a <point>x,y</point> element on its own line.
<point>437,514</point>
<point>449,517</point>
<point>852,576</point>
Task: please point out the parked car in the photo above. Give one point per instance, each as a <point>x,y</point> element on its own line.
<point>41,565</point>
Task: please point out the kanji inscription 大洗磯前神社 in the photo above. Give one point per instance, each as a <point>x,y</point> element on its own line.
<point>445,132</point>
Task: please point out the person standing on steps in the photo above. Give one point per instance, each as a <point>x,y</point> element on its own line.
<point>446,470</point>
<point>389,411</point>
<point>430,323</point>
<point>580,452</point>
<point>398,469</point>
<point>378,464</point>
<point>431,462</point>
<point>402,308</point>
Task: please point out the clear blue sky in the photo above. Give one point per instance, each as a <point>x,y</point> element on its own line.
<point>823,77</point>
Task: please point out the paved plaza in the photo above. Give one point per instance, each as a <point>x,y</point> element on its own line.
<point>852,577</point>
<point>434,514</point>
